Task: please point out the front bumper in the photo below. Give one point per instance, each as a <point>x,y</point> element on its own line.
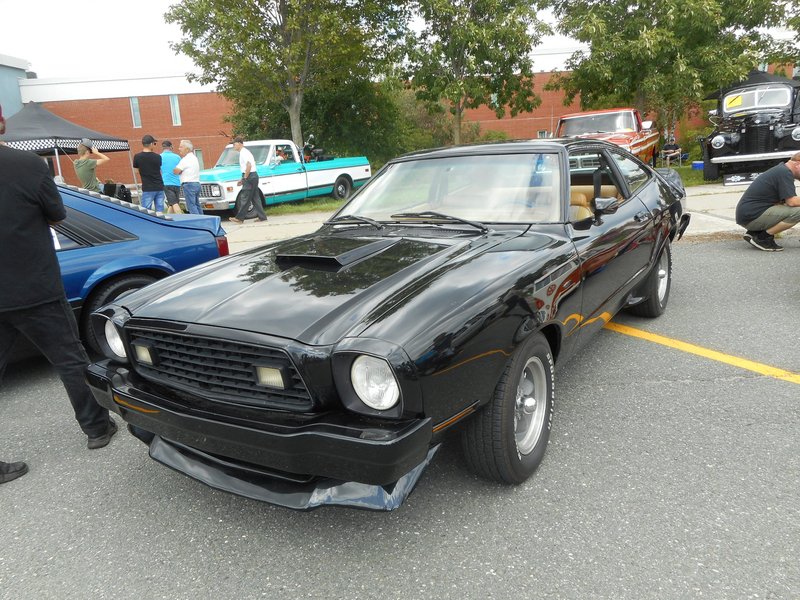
<point>216,203</point>
<point>352,451</point>
<point>744,158</point>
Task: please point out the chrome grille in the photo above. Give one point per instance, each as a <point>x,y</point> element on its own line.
<point>206,191</point>
<point>219,369</point>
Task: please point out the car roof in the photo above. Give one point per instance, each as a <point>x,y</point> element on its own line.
<point>505,147</point>
<point>594,112</point>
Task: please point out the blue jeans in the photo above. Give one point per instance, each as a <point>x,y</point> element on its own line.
<point>191,193</point>
<point>53,330</point>
<point>148,198</point>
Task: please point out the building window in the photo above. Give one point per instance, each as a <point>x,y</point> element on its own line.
<point>176,110</point>
<point>135,114</point>
<point>542,134</point>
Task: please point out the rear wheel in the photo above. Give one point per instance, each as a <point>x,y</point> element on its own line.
<point>507,439</point>
<point>342,188</point>
<point>105,293</point>
<point>656,287</point>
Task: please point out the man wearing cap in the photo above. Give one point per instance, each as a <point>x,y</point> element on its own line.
<point>86,165</point>
<point>148,161</point>
<point>33,302</point>
<point>249,183</point>
<point>172,183</point>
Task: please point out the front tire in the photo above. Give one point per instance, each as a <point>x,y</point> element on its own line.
<point>342,188</point>
<point>710,170</point>
<point>507,439</point>
<point>105,293</point>
<point>657,287</point>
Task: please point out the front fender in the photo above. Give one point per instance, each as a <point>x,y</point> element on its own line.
<point>121,266</point>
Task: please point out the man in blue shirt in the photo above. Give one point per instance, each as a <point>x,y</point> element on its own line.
<point>172,183</point>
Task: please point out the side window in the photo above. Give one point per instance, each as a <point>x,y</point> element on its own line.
<point>635,176</point>
<point>589,173</point>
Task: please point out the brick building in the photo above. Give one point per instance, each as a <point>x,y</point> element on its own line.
<point>164,107</point>
<point>541,122</point>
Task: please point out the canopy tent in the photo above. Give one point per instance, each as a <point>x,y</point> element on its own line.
<point>37,130</point>
<point>753,78</point>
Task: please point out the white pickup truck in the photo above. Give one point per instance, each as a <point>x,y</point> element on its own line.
<point>284,175</point>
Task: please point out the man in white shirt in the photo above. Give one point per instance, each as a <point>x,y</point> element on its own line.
<point>189,170</point>
<point>249,182</point>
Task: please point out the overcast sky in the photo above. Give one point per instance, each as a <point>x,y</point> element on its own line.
<point>122,38</point>
<point>91,38</point>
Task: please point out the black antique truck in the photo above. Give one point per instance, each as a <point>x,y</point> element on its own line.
<point>756,125</point>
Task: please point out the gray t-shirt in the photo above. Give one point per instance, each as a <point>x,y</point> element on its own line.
<point>772,187</point>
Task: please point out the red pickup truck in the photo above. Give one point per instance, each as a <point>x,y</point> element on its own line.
<point>621,126</point>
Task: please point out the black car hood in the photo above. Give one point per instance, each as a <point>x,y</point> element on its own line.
<point>315,289</point>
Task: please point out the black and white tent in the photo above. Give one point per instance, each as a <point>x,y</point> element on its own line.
<point>36,129</point>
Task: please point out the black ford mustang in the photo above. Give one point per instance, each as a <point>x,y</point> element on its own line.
<point>325,369</point>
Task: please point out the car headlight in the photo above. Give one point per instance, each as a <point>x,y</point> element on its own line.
<point>796,134</point>
<point>374,382</point>
<point>717,142</point>
<point>114,341</point>
<point>216,191</point>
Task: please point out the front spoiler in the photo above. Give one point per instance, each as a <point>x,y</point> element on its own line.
<point>295,495</point>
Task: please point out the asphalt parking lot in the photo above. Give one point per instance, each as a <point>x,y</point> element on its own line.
<point>669,475</point>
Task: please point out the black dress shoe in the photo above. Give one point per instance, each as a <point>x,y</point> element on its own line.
<point>102,440</point>
<point>10,471</point>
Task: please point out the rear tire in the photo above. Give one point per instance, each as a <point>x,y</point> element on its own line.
<point>507,439</point>
<point>657,287</point>
<point>102,295</point>
<point>342,188</point>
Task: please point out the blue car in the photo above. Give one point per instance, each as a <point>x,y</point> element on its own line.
<point>107,247</point>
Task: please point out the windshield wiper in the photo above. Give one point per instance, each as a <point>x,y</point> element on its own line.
<point>428,214</point>
<point>355,219</point>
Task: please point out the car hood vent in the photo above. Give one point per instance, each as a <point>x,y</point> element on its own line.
<point>330,253</point>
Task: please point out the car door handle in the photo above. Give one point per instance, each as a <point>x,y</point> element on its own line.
<point>642,217</point>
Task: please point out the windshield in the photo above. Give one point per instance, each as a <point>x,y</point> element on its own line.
<point>488,188</point>
<point>600,123</point>
<point>230,157</point>
<point>768,96</point>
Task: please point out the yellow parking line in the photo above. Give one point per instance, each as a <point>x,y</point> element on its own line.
<point>735,361</point>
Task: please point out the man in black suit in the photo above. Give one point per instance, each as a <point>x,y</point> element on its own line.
<point>33,302</point>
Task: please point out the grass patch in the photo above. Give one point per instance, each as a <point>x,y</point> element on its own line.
<point>691,176</point>
<point>325,204</point>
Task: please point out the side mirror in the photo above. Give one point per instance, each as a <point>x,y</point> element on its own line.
<point>605,206</point>
<point>647,124</point>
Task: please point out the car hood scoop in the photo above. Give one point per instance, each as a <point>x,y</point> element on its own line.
<point>329,254</point>
<point>315,289</point>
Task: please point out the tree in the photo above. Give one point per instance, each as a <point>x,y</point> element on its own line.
<point>472,53</point>
<point>665,55</point>
<point>278,50</point>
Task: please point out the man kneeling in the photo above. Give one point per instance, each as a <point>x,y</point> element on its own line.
<point>770,205</point>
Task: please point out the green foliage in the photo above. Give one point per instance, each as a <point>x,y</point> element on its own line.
<point>472,53</point>
<point>277,51</point>
<point>665,55</point>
